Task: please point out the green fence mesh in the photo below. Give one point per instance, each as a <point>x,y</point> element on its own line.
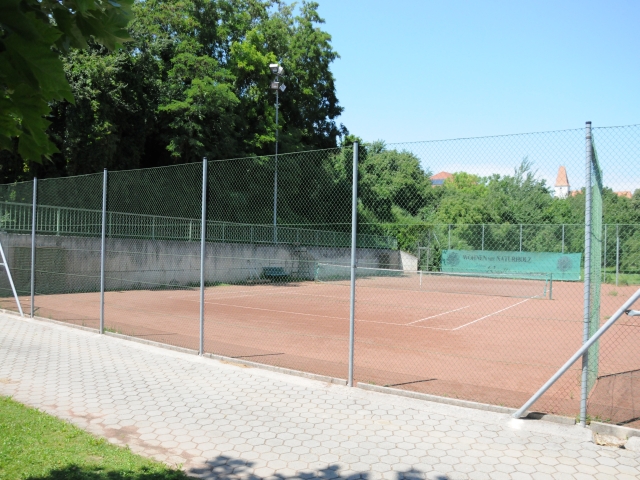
<point>16,216</point>
<point>596,267</point>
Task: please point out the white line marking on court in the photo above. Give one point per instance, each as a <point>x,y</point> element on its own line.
<point>196,297</point>
<point>277,311</point>
<point>402,325</point>
<point>438,315</point>
<point>491,314</point>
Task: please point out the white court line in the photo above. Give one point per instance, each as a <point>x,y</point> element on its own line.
<point>253,294</point>
<point>438,315</point>
<point>491,314</point>
<point>277,311</point>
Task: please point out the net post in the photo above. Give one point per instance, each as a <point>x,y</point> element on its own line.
<point>354,232</point>
<point>203,238</point>
<point>551,286</point>
<point>33,245</point>
<point>102,247</point>
<point>587,275</point>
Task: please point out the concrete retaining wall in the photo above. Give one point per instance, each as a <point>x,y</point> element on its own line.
<point>72,264</point>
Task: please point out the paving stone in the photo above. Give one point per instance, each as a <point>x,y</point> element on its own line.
<point>223,421</point>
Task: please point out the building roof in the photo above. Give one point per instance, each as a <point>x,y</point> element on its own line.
<point>625,193</point>
<point>562,180</point>
<point>438,179</point>
<point>441,176</point>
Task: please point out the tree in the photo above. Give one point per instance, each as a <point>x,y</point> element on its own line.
<point>193,82</point>
<point>32,35</point>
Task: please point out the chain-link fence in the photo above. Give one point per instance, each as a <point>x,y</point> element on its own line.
<point>470,263</point>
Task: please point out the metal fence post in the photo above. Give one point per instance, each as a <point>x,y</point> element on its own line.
<point>203,238</point>
<point>563,238</point>
<point>483,236</point>
<point>102,247</point>
<point>449,236</point>
<point>587,276</point>
<point>604,255</point>
<point>34,213</point>
<point>617,252</point>
<point>354,233</point>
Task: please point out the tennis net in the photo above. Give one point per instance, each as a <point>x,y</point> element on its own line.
<point>519,285</point>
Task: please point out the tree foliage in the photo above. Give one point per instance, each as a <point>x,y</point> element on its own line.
<point>193,82</point>
<point>33,33</point>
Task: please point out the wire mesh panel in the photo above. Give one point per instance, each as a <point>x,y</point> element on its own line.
<point>478,207</point>
<point>615,397</point>
<point>15,237</point>
<point>67,281</point>
<point>152,263</point>
<point>263,301</point>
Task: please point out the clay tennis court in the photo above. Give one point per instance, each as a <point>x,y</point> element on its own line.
<point>494,348</point>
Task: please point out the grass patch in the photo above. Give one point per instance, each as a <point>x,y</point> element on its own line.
<point>37,446</point>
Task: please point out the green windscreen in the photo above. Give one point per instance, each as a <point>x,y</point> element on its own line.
<point>560,266</point>
<point>596,267</point>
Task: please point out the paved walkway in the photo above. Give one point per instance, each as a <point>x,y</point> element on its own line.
<point>220,420</point>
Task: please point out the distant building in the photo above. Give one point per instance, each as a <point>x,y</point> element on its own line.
<point>562,188</point>
<point>625,193</point>
<point>438,179</point>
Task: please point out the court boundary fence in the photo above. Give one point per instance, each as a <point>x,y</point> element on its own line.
<point>49,219</point>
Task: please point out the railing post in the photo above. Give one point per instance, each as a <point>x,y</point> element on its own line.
<point>354,234</point>
<point>203,238</point>
<point>103,247</point>
<point>34,216</point>
<point>520,237</point>
<point>587,277</point>
<point>58,222</point>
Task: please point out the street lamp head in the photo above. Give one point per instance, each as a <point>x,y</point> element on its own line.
<point>276,69</point>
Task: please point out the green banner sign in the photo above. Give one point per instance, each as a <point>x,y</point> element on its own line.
<point>562,266</point>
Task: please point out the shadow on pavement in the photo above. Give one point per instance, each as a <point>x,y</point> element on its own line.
<point>227,468</point>
<point>222,468</point>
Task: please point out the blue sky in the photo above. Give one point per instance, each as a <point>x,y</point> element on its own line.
<point>415,70</point>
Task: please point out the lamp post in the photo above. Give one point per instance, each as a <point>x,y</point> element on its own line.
<point>278,71</point>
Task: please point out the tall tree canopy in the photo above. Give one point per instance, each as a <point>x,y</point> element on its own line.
<point>193,82</point>
<point>33,33</point>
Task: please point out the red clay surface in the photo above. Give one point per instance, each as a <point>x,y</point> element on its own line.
<point>493,349</point>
